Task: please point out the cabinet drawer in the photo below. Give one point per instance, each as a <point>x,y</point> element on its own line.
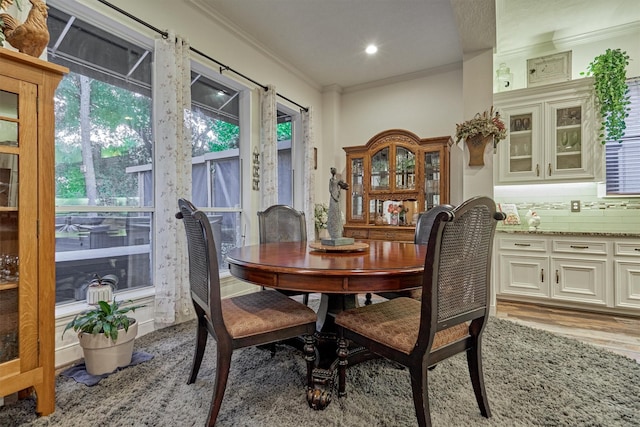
<point>627,248</point>
<point>523,244</point>
<point>580,247</point>
<point>356,233</point>
<point>394,235</point>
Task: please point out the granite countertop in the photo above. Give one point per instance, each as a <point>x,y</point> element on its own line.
<point>569,233</point>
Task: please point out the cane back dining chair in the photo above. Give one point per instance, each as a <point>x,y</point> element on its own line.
<point>453,311</point>
<point>248,320</point>
<point>421,237</point>
<point>282,223</point>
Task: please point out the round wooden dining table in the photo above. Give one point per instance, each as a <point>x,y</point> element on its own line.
<point>339,275</point>
<point>381,267</point>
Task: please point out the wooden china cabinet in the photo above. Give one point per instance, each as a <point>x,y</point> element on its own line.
<point>27,236</point>
<point>392,178</point>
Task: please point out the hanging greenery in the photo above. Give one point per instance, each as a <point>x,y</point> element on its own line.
<point>612,93</point>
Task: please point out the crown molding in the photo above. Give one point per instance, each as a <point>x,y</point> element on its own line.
<point>563,43</point>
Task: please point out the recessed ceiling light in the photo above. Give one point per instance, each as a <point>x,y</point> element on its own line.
<point>371,49</point>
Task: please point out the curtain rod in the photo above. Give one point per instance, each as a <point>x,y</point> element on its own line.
<point>223,67</point>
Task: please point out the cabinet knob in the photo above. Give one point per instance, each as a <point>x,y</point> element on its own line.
<point>542,275</point>
<point>522,244</point>
<point>579,247</point>
<point>537,169</point>
<point>549,169</point>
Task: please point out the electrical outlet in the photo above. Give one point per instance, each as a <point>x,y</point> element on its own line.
<point>575,206</point>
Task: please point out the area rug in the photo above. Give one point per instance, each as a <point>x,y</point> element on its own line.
<point>533,378</point>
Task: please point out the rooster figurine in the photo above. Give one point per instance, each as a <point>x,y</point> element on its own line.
<point>32,36</point>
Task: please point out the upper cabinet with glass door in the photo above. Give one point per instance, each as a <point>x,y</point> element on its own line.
<point>393,178</point>
<point>551,134</point>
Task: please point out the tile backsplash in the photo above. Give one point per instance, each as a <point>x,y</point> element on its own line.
<point>552,203</point>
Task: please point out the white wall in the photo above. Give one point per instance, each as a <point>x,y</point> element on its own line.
<point>429,105</point>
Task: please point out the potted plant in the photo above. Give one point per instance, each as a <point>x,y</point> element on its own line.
<point>609,72</point>
<point>478,131</point>
<point>106,335</point>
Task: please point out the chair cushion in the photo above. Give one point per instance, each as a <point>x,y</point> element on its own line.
<point>395,323</point>
<point>262,312</point>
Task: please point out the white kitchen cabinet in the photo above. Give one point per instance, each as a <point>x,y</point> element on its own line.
<point>551,134</point>
<point>579,280</point>
<point>596,273</point>
<point>524,274</point>
<point>524,266</point>
<point>627,274</point>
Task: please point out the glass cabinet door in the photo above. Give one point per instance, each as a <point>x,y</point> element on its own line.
<point>18,218</point>
<point>520,143</point>
<point>568,137</point>
<point>431,179</point>
<point>521,154</point>
<point>9,277</point>
<point>405,169</point>
<point>357,188</point>
<point>380,170</point>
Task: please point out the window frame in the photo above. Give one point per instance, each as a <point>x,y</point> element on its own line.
<point>632,136</point>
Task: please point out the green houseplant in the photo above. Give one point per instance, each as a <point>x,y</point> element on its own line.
<point>106,334</point>
<point>611,91</point>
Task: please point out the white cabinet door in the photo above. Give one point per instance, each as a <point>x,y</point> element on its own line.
<point>579,280</point>
<point>525,275</point>
<point>570,139</point>
<point>627,284</point>
<point>521,154</point>
<point>627,274</point>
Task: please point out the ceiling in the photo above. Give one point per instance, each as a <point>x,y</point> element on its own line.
<point>325,39</point>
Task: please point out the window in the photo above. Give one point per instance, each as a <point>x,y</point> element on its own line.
<point>622,159</point>
<point>216,164</point>
<point>103,129</point>
<point>285,167</point>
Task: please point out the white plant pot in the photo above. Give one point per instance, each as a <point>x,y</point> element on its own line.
<point>102,355</point>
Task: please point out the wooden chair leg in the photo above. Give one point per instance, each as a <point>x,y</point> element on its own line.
<point>220,384</point>
<point>474,360</point>
<point>342,352</point>
<point>420,389</point>
<point>201,342</point>
<point>305,299</point>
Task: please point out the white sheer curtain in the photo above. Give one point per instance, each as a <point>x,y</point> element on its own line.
<point>309,177</point>
<point>268,147</point>
<point>172,166</point>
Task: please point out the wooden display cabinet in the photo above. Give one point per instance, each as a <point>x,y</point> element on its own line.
<point>27,235</point>
<point>394,168</point>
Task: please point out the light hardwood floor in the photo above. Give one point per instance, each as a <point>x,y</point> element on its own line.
<point>618,334</point>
